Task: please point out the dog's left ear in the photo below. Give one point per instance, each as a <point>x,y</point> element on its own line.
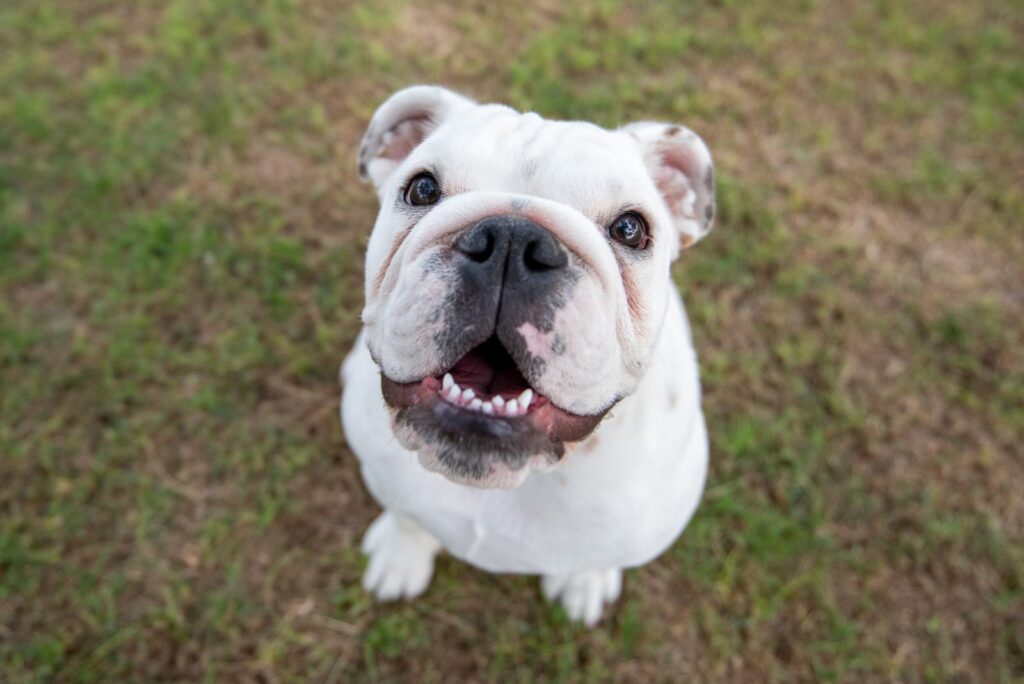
<point>680,164</point>
<point>400,124</point>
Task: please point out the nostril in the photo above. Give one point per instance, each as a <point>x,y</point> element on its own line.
<point>511,240</point>
<point>543,255</point>
<point>478,245</point>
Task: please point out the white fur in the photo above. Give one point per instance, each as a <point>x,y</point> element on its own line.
<point>627,491</point>
<point>619,500</point>
<point>584,594</point>
<point>401,557</point>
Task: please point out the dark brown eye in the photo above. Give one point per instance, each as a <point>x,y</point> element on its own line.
<point>423,190</point>
<point>629,229</point>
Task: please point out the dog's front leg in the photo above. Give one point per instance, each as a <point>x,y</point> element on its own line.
<point>584,594</point>
<point>401,557</point>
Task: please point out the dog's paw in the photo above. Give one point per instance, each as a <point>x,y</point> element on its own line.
<point>401,557</point>
<point>584,594</point>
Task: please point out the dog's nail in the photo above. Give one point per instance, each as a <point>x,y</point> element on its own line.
<point>525,398</point>
<point>512,408</point>
<point>448,381</point>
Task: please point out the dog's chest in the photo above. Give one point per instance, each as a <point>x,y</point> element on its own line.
<point>598,510</point>
<point>618,501</point>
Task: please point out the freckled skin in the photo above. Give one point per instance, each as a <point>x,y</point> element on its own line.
<point>538,344</point>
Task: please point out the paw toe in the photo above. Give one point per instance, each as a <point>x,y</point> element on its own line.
<point>401,564</point>
<point>583,595</point>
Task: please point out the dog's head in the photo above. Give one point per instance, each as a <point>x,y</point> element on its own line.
<point>517,276</point>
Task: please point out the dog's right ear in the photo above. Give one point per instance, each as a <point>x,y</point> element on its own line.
<point>402,123</point>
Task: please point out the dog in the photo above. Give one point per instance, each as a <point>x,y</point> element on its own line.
<point>524,392</point>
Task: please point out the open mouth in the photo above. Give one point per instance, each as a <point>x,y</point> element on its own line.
<point>486,394</point>
<point>486,380</point>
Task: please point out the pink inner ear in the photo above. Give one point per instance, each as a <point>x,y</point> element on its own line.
<point>674,182</point>
<point>401,140</point>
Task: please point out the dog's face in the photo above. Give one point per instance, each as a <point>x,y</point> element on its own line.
<point>517,276</point>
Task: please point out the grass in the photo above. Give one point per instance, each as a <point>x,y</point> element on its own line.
<point>181,235</point>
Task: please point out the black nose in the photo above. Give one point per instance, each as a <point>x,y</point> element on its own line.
<point>528,249</point>
<point>508,271</point>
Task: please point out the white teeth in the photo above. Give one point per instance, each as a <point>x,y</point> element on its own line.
<point>525,398</point>
<point>495,406</point>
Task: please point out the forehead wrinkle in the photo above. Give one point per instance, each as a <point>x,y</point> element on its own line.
<point>531,131</point>
<point>575,163</point>
<point>587,176</point>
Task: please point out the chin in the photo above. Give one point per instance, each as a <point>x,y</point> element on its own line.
<point>481,423</point>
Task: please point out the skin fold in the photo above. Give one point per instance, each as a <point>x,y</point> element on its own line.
<point>508,278</point>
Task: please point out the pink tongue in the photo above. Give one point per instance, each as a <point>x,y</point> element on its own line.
<point>508,383</point>
<point>474,372</point>
<point>488,370</point>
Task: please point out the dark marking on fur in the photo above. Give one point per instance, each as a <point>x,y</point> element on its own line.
<point>499,299</point>
<point>518,204</point>
<point>469,445</point>
<point>673,131</point>
<point>469,311</point>
<point>709,187</point>
<point>558,346</point>
<point>526,147</point>
<point>530,168</point>
<point>537,305</point>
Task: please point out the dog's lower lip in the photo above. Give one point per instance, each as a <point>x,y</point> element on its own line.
<point>484,390</point>
<point>558,424</point>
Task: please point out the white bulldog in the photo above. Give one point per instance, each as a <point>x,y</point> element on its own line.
<point>525,391</point>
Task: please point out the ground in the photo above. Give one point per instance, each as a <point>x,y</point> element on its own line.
<point>181,236</point>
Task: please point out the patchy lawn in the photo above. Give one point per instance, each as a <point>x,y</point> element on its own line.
<point>181,235</point>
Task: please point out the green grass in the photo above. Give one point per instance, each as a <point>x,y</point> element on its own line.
<point>181,237</point>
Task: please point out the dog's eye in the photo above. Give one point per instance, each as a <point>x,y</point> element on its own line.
<point>423,190</point>
<point>630,229</point>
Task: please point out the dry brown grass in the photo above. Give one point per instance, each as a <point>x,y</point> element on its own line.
<point>180,253</point>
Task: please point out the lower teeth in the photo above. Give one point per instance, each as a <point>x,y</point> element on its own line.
<point>497,405</point>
